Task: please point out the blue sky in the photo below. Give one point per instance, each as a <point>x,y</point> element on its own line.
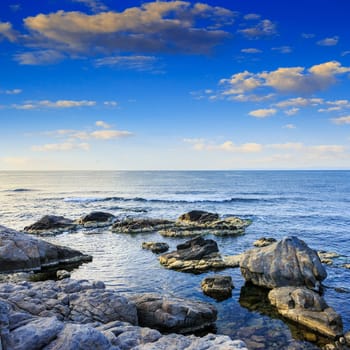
<point>129,85</point>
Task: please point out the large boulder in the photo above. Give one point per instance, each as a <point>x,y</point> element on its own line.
<point>51,224</point>
<point>132,225</point>
<point>289,262</point>
<point>307,308</point>
<point>173,314</point>
<point>198,222</point>
<point>196,255</point>
<point>22,252</point>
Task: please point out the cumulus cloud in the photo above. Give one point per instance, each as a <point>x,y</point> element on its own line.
<point>252,16</point>
<point>11,92</point>
<point>55,104</point>
<point>61,147</point>
<point>289,126</point>
<point>263,113</point>
<point>308,35</point>
<point>227,146</point>
<point>160,26</point>
<point>110,103</point>
<point>102,124</point>
<point>286,79</point>
<point>329,41</point>
<point>292,111</point>
<point>251,50</point>
<point>7,32</point>
<point>282,49</point>
<point>94,5</point>
<point>264,28</point>
<point>109,134</point>
<point>299,102</point>
<point>342,120</point>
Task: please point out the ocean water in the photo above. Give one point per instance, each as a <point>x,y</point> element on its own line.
<point>312,205</point>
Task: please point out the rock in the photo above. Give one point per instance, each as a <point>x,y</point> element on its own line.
<point>198,216</point>
<point>199,222</point>
<point>96,219</point>
<point>173,314</point>
<point>218,287</point>
<point>51,224</point>
<point>327,257</point>
<point>61,274</point>
<point>263,242</point>
<point>232,260</point>
<point>289,262</point>
<point>196,255</point>
<point>140,225</point>
<point>156,247</point>
<point>307,308</point>
<point>22,252</point>
<point>347,337</point>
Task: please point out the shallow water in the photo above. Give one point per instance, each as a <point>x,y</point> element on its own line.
<point>313,205</point>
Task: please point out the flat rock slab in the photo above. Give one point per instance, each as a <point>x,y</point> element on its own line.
<point>289,262</point>
<point>307,308</point>
<point>173,314</point>
<point>51,224</point>
<point>263,242</point>
<point>140,225</point>
<point>21,252</point>
<point>218,287</point>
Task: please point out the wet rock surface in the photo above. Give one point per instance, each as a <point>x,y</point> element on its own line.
<point>218,287</point>
<point>156,247</point>
<point>289,262</point>
<point>22,252</point>
<point>140,225</point>
<point>199,222</point>
<point>96,219</point>
<point>307,308</point>
<point>263,242</point>
<point>174,314</point>
<point>51,224</point>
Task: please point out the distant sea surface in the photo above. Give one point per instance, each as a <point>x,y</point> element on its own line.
<point>312,205</point>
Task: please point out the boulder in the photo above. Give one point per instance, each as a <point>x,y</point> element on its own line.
<point>61,274</point>
<point>140,225</point>
<point>198,222</point>
<point>51,224</point>
<point>22,252</point>
<point>307,308</point>
<point>218,287</point>
<point>289,262</point>
<point>156,247</point>
<point>173,314</point>
<point>196,255</point>
<point>96,219</point>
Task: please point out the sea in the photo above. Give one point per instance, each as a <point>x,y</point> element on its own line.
<point>312,205</point>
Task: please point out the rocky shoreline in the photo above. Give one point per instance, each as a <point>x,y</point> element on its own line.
<point>76,311</point>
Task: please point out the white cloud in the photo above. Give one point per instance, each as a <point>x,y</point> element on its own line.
<point>251,50</point>
<point>299,102</point>
<point>329,41</point>
<point>295,146</point>
<point>39,57</point>
<point>6,31</point>
<point>109,134</point>
<point>227,146</point>
<point>342,120</point>
<point>61,147</point>
<point>308,35</point>
<point>263,113</point>
<point>55,104</point>
<point>286,79</point>
<point>289,126</point>
<point>138,63</point>
<point>103,124</point>
<point>252,16</point>
<point>282,49</point>
<point>110,103</point>
<point>264,28</point>
<point>15,161</point>
<point>291,111</point>
<point>13,92</point>
<point>94,5</point>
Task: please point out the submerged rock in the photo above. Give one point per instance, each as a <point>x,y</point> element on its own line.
<point>198,222</point>
<point>218,287</point>
<point>96,219</point>
<point>307,308</point>
<point>140,225</point>
<point>173,314</point>
<point>22,252</point>
<point>51,224</point>
<point>289,262</point>
<point>156,247</point>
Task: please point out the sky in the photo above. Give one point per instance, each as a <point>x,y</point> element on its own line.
<point>174,85</point>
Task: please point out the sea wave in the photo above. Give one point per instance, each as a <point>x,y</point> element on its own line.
<point>166,200</point>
